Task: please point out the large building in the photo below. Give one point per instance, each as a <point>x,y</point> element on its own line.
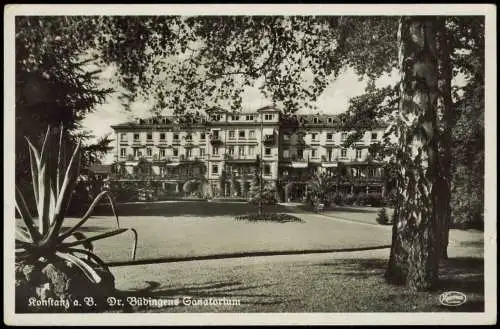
<point>218,153</point>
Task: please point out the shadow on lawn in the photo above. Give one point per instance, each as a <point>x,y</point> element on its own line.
<point>465,275</point>
<point>187,208</point>
<point>231,290</point>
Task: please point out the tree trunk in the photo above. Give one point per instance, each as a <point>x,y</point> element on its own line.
<point>446,114</point>
<point>414,259</point>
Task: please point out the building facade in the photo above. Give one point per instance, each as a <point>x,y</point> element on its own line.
<point>217,155</point>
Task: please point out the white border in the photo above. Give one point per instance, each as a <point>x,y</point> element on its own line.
<point>488,317</point>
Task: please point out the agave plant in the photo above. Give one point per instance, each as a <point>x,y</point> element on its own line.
<point>52,191</point>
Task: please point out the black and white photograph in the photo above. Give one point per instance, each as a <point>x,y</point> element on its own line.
<point>249,164</point>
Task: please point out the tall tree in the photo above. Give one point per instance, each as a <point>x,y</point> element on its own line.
<point>415,254</point>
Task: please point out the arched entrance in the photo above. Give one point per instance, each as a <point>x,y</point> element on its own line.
<point>295,191</point>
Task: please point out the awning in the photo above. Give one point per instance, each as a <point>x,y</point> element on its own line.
<point>329,165</point>
<point>299,165</point>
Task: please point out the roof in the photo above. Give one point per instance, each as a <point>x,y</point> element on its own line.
<point>268,108</point>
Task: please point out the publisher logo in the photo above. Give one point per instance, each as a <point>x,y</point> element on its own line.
<point>452,298</point>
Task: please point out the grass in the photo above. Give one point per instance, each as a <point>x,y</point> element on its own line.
<point>188,236</point>
<point>306,283</point>
<point>338,282</point>
<point>270,217</point>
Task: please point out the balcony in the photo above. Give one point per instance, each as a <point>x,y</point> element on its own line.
<point>124,142</point>
<point>137,142</point>
<point>149,142</point>
<point>269,140</point>
<point>239,158</point>
<point>216,140</point>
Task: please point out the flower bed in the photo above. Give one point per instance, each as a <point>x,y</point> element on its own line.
<point>270,217</point>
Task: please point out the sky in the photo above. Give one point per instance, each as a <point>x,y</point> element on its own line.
<point>334,100</point>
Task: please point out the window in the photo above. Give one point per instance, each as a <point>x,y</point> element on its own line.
<point>314,153</point>
<point>300,153</point>
<point>149,136</point>
<point>315,120</point>
<point>216,117</point>
<point>149,152</point>
<point>189,137</point>
<point>215,133</point>
<point>329,136</point>
<point>230,150</point>
<point>235,117</point>
<point>123,152</point>
<point>162,153</point>
<point>267,151</point>
<point>251,134</point>
<point>374,136</point>
<point>330,154</point>
<point>202,136</point>
<point>202,152</point>
<point>231,134</point>
<point>123,136</point>
<point>358,154</point>
<point>241,134</point>
<point>176,137</point>
<point>267,170</point>
<point>188,153</point>
<point>175,152</point>
<point>268,117</point>
<point>137,153</point>
<point>343,137</point>
<point>162,136</point>
<point>343,153</point>
<point>215,150</point>
<point>286,154</point>
<point>241,151</point>
<point>215,169</point>
<point>314,136</point>
<point>371,172</point>
<point>136,137</point>
<point>330,120</point>
<point>251,150</point>
<point>249,118</point>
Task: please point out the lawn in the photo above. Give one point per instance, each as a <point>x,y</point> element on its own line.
<point>187,229</point>
<point>341,282</point>
<point>322,282</point>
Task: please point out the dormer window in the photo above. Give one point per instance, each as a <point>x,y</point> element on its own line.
<point>330,120</point>
<point>315,120</point>
<point>235,117</point>
<point>268,117</point>
<point>249,118</point>
<point>216,117</point>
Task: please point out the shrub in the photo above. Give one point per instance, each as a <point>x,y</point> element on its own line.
<point>360,199</point>
<point>350,199</point>
<point>382,217</point>
<point>338,198</point>
<point>375,199</point>
<point>53,260</point>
